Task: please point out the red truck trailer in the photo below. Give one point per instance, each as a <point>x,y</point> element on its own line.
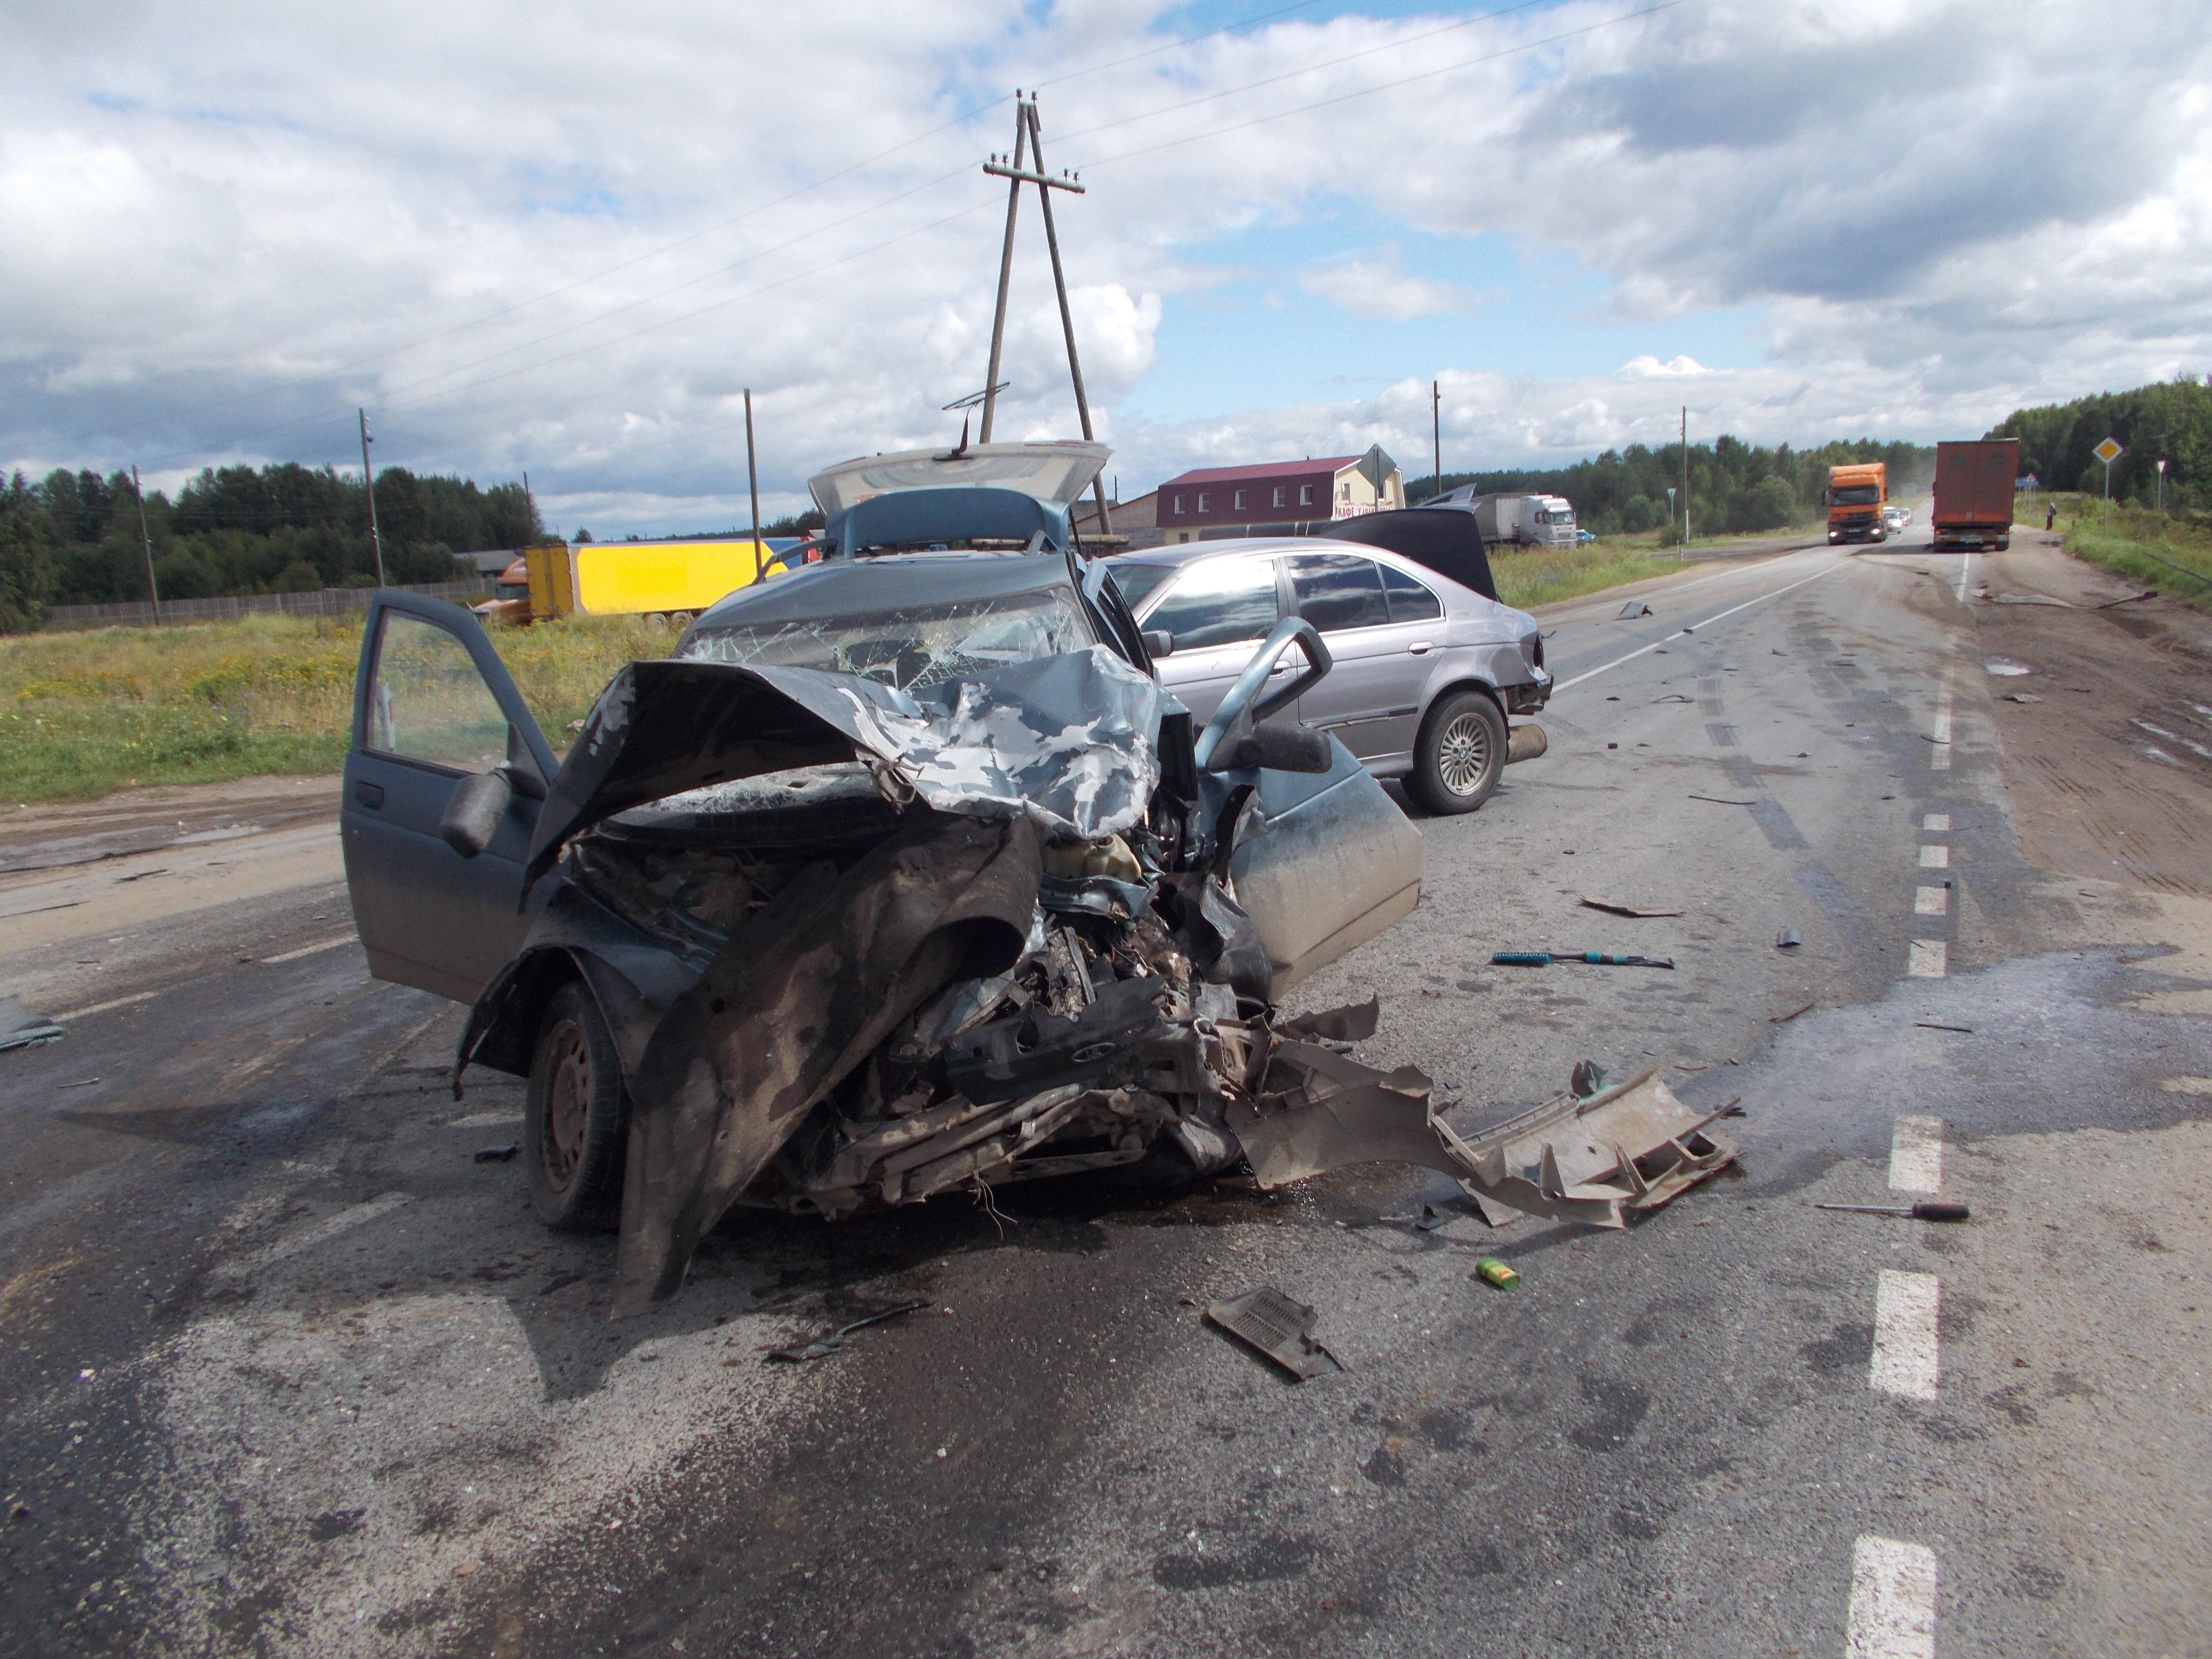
<point>1973,494</point>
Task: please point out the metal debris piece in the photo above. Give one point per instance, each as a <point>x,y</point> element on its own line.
<point>2032,599</point>
<point>1718,800</point>
<point>1278,1328</point>
<point>22,1029</point>
<point>1931,1025</point>
<point>1783,1019</point>
<point>1428,1221</point>
<point>1612,906</point>
<point>823,1347</point>
<point>1787,940</point>
<point>1632,610</point>
<point>1490,1271</point>
<point>2021,696</point>
<point>1596,959</point>
<point>496,1154</point>
<point>1586,1079</point>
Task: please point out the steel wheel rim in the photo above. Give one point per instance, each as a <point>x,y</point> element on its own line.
<point>568,1106</point>
<point>1463,754</point>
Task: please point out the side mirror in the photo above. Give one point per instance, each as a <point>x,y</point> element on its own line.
<point>1277,745</point>
<point>474,810</point>
<point>1158,643</point>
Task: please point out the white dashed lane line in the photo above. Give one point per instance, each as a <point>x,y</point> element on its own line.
<point>1905,1362</point>
<point>1930,901</point>
<point>1929,958</point>
<point>1939,822</point>
<point>1893,1612</point>
<point>311,950</point>
<point>1934,856</point>
<point>1916,1155</point>
<point>1940,759</point>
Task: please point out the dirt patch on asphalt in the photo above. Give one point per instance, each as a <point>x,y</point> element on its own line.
<point>64,833</point>
<point>2106,735</point>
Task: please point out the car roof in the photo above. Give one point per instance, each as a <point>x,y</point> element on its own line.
<point>1193,552</point>
<point>838,587</point>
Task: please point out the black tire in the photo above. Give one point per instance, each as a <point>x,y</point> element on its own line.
<point>1460,754</point>
<point>576,1121</point>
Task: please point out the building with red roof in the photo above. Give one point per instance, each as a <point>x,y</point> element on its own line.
<point>1243,500</point>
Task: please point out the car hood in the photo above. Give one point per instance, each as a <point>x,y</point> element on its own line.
<point>1052,473</point>
<point>1070,742</point>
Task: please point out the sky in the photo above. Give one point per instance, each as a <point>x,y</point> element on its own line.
<point>564,238</point>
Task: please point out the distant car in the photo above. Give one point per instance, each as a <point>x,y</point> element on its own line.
<point>1894,519</point>
<point>1427,668</point>
<point>1583,536</point>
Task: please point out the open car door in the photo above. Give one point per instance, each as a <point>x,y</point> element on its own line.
<point>1324,859</point>
<point>434,705</point>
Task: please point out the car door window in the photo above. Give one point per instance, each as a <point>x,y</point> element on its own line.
<point>1338,590</point>
<point>428,703</point>
<point>1410,600</point>
<point>1219,602</point>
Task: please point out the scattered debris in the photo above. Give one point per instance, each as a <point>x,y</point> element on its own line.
<point>1787,940</point>
<point>496,1154</point>
<point>2021,696</point>
<point>1783,1019</point>
<point>1613,908</point>
<point>141,875</point>
<point>1428,1221</point>
<point>81,1082</point>
<point>1719,800</point>
<point>1490,1271</point>
<point>1587,1078</point>
<point>1931,1025</point>
<point>1276,1328</point>
<point>22,1029</point>
<point>2032,599</point>
<point>1632,610</point>
<point>1926,1210</point>
<point>1672,697</point>
<point>1599,959</point>
<point>823,1347</point>
<point>2007,667</point>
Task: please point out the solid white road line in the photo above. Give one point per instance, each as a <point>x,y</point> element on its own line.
<point>1892,1614</point>
<point>1916,1155</point>
<point>1602,668</point>
<point>1966,565</point>
<point>103,1007</point>
<point>311,950</point>
<point>322,1233</point>
<point>1905,1318</point>
<point>1929,958</point>
<point>1932,857</point>
<point>1931,902</point>
<point>1937,821</point>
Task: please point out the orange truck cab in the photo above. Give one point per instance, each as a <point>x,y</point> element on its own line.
<point>1856,495</point>
<point>510,598</point>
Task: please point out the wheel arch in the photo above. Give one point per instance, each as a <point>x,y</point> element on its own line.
<point>503,1028</point>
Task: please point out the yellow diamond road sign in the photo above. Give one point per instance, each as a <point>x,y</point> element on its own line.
<point>2108,452</point>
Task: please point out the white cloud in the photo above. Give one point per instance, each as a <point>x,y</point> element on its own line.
<point>1380,289</point>
<point>230,221</point>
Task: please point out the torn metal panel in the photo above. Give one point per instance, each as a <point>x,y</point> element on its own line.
<point>1320,1110</point>
<point>1278,1328</point>
<point>820,976</point>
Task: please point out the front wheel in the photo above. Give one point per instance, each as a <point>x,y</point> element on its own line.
<point>1460,754</point>
<point>575,1121</point>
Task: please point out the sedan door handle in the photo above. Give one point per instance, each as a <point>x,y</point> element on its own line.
<point>1420,648</point>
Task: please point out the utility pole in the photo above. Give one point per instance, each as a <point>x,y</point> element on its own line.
<point>2162,489</point>
<point>368,483</point>
<point>146,541</point>
<point>529,506</point>
<point>1436,435</point>
<point>1026,125</point>
<point>752,484</point>
<point>1686,480</point>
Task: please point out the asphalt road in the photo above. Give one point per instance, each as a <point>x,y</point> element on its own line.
<point>287,1370</point>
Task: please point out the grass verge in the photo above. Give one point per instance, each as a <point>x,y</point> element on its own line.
<point>1547,575</point>
<point>84,714</point>
<point>2153,549</point>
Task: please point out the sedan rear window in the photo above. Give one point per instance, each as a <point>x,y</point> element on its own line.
<point>1410,600</point>
<point>913,647</point>
<point>1338,590</point>
<point>1138,581</point>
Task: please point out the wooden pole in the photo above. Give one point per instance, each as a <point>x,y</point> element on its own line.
<point>368,483</point>
<point>752,484</point>
<point>1005,272</point>
<point>1437,436</point>
<point>1066,316</point>
<point>146,541</point>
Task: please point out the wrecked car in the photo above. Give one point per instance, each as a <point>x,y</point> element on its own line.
<point>902,876</point>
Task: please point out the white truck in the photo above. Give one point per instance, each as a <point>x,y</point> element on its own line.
<point>1526,520</point>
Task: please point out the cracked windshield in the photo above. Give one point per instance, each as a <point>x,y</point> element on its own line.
<point>915,647</point>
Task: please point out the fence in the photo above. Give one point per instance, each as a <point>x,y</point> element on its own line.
<point>322,602</point>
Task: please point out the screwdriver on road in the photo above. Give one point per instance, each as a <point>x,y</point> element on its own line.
<point>1546,958</point>
<point>1924,1211</point>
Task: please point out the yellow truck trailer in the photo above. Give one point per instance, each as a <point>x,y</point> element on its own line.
<point>672,581</point>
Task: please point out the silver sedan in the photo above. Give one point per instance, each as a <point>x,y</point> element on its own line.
<point>1427,671</point>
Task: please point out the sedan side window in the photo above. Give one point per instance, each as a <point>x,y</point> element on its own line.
<point>1410,601</point>
<point>428,703</point>
<point>1220,602</point>
<point>1338,590</point>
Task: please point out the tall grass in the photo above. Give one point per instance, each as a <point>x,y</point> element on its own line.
<point>2153,550</point>
<point>1544,575</point>
<point>84,714</point>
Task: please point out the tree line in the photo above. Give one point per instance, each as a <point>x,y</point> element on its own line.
<point>2170,422</point>
<point>75,537</point>
<point>1734,487</point>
